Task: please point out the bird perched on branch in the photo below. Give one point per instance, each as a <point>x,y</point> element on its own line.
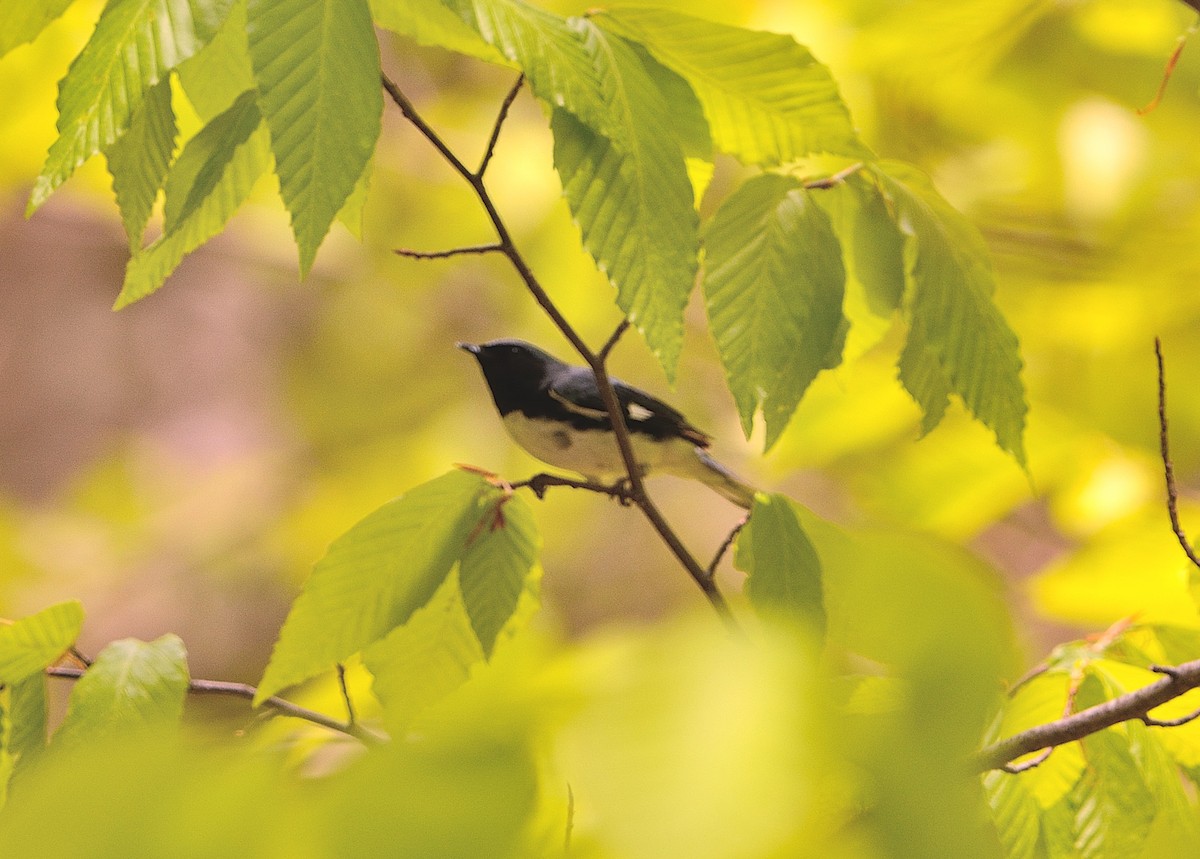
<point>554,411</point>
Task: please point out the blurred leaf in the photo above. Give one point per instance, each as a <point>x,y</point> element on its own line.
<point>783,568</point>
<point>496,568</point>
<point>132,685</point>
<point>630,193</point>
<point>130,51</point>
<point>433,25</point>
<point>317,66</point>
<point>773,286</point>
<point>140,159</point>
<point>212,177</point>
<point>767,100</point>
<point>24,20</point>
<point>424,660</point>
<point>218,75</point>
<point>1015,813</point>
<point>1162,777</point>
<point>1039,700</point>
<point>376,575</point>
<point>23,722</point>
<point>32,643</point>
<point>953,322</point>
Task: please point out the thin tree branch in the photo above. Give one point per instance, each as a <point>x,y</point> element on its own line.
<point>341,676</point>
<point>245,690</point>
<point>838,177</point>
<point>500,117</point>
<point>1165,447</point>
<point>724,547</point>
<point>612,340</point>
<point>596,361</point>
<point>453,252</point>
<point>1014,769</point>
<point>539,483</point>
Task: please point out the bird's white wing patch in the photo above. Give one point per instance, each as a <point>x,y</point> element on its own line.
<point>598,414</point>
<point>639,413</point>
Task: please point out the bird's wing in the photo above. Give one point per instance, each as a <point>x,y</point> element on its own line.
<point>576,391</point>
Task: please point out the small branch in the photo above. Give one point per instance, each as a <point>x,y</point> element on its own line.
<point>1133,705</point>
<point>724,547</point>
<point>1014,769</point>
<point>453,252</point>
<point>500,117</point>
<point>539,483</point>
<point>612,340</point>
<point>836,179</point>
<point>1168,469</point>
<point>246,691</point>
<point>341,676</point>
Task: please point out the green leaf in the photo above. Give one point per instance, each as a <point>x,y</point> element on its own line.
<point>32,643</point>
<point>140,159</point>
<point>212,177</point>
<point>433,25</point>
<point>768,101</point>
<point>923,377</point>
<point>631,196</point>
<point>496,568</point>
<point>773,283</point>
<point>217,76</point>
<point>1015,814</point>
<point>24,20</point>
<point>24,734</point>
<point>135,44</point>
<point>132,685</point>
<point>317,66</point>
<point>953,319</point>
<point>423,661</point>
<point>783,568</point>
<point>1113,808</point>
<point>376,575</point>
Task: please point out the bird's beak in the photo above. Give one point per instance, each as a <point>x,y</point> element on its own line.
<point>468,347</point>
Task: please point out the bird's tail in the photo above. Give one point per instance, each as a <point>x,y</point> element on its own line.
<point>718,477</point>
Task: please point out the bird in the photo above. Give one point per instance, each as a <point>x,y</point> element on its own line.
<point>554,411</point>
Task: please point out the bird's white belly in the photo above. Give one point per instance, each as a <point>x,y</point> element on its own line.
<point>593,453</point>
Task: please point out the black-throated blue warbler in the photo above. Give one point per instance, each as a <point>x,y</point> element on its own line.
<point>554,411</point>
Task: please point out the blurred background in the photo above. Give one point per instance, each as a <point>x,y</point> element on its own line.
<point>181,464</point>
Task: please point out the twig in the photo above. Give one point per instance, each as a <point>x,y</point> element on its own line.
<point>539,483</point>
<point>453,252</point>
<point>1169,70</point>
<point>1132,705</point>
<point>1037,761</point>
<point>1168,469</point>
<point>245,690</point>
<point>500,117</point>
<point>341,676</point>
<point>596,361</point>
<point>724,547</point>
<point>836,179</point>
<point>612,340</point>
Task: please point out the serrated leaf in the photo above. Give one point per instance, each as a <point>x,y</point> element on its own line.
<point>29,645</point>
<point>784,572</point>
<point>423,661</point>
<point>1015,814</point>
<point>631,196</point>
<point>376,575</point>
<point>1113,808</point>
<point>1162,777</point>
<point>767,100</point>
<point>433,25</point>
<point>950,308</point>
<point>923,377</point>
<point>132,685</point>
<point>317,67</point>
<point>212,177</point>
<point>140,159</point>
<point>216,76</point>
<point>24,20</point>
<point>496,567</point>
<point>134,46</point>
<point>773,284</point>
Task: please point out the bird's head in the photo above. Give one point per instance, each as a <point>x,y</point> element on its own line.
<point>512,366</point>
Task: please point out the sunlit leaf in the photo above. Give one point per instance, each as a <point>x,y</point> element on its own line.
<point>496,568</point>
<point>27,715</point>
<point>767,100</point>
<point>783,568</point>
<point>129,52</point>
<point>24,20</point>
<point>376,575</point>
<point>631,195</point>
<point>140,159</point>
<point>132,685</point>
<point>212,177</point>
<point>218,75</point>
<point>773,285</point>
<point>1113,807</point>
<point>317,67</point>
<point>30,644</point>
<point>950,309</point>
<point>433,24</point>
<point>1015,814</point>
